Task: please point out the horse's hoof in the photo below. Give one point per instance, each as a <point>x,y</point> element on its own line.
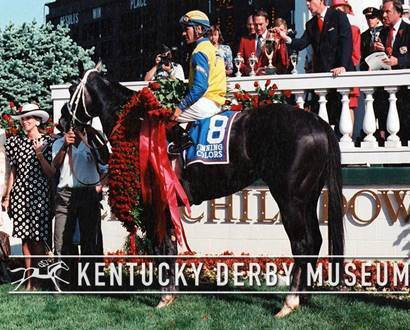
<point>290,305</point>
<point>166,300</point>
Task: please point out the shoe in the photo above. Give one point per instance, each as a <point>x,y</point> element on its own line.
<point>182,141</point>
<point>166,300</point>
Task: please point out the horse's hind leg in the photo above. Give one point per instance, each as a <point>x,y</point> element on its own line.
<point>300,221</point>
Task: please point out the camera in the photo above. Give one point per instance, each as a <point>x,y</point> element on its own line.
<point>165,60</point>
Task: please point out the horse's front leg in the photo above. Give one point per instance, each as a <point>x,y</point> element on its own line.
<point>168,247</point>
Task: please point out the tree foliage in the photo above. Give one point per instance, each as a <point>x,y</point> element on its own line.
<point>32,58</point>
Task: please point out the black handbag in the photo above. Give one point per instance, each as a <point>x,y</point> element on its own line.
<point>4,258</point>
<point>4,246</point>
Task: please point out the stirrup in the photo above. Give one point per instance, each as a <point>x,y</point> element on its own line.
<point>175,149</point>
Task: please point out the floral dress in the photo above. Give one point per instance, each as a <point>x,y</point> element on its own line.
<point>29,198</point>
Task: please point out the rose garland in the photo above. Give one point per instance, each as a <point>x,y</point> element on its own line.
<point>140,169</point>
<point>124,179</point>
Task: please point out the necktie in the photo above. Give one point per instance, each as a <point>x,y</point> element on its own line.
<point>259,47</point>
<point>389,43</point>
<point>320,23</point>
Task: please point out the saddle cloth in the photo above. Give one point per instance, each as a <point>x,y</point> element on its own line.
<point>211,139</point>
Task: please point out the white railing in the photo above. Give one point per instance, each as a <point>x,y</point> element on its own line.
<point>369,152</point>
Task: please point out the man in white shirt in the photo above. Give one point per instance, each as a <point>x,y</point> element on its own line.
<point>78,195</point>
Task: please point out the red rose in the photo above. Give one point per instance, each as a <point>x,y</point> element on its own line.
<point>271,92</point>
<point>6,117</point>
<point>11,103</point>
<point>237,107</point>
<point>20,108</point>
<point>274,86</point>
<point>256,84</point>
<point>267,83</point>
<point>237,86</point>
<point>154,86</point>
<point>255,101</point>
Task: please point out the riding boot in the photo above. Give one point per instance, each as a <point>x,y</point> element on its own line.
<point>180,140</point>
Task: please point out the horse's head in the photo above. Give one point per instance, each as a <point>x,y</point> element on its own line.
<point>84,102</point>
<point>95,96</point>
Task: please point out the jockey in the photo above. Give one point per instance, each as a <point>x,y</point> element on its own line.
<point>207,78</point>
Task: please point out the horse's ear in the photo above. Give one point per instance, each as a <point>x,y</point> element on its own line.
<point>80,67</point>
<point>99,66</point>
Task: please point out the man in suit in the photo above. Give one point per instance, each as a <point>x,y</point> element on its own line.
<point>253,43</point>
<point>330,35</point>
<point>395,41</point>
<point>371,35</point>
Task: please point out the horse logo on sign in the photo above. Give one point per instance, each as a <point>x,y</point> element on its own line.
<point>34,272</point>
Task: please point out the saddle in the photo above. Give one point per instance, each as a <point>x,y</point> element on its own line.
<point>205,141</point>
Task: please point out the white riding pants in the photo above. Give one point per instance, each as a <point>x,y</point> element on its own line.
<point>203,108</point>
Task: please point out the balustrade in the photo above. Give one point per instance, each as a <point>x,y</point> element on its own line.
<point>369,152</point>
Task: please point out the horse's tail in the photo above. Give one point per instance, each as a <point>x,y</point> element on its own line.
<point>334,185</point>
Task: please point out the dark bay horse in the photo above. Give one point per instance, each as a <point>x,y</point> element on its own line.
<point>294,152</point>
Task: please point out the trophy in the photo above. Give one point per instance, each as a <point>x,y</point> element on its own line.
<point>238,60</point>
<point>252,62</point>
<point>269,47</point>
<point>294,60</point>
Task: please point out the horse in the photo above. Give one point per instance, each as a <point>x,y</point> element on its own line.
<point>34,272</point>
<point>294,152</point>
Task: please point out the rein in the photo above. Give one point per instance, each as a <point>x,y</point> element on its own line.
<point>70,162</point>
<point>79,96</point>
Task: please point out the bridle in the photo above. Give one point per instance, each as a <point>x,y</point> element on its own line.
<point>72,106</point>
<point>77,97</point>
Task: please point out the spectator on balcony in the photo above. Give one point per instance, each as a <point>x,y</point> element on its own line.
<point>164,67</point>
<point>371,35</point>
<point>281,57</point>
<point>224,51</point>
<point>395,37</point>
<point>255,44</point>
<point>395,41</point>
<point>247,39</point>
<point>345,7</point>
<point>329,32</point>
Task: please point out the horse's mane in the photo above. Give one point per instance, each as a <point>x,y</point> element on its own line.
<point>114,91</point>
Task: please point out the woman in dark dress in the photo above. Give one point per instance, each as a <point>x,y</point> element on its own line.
<point>27,192</point>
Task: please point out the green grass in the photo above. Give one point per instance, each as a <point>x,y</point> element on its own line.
<point>197,312</point>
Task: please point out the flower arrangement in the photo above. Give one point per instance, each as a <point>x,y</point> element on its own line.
<point>13,127</point>
<point>168,92</point>
<point>243,100</point>
<point>209,266</point>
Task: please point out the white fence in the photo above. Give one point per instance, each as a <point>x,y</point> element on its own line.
<point>369,152</point>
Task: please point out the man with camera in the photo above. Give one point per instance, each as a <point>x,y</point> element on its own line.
<point>164,67</point>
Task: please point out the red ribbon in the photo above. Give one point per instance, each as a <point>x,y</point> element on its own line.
<point>160,186</point>
<point>133,245</point>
